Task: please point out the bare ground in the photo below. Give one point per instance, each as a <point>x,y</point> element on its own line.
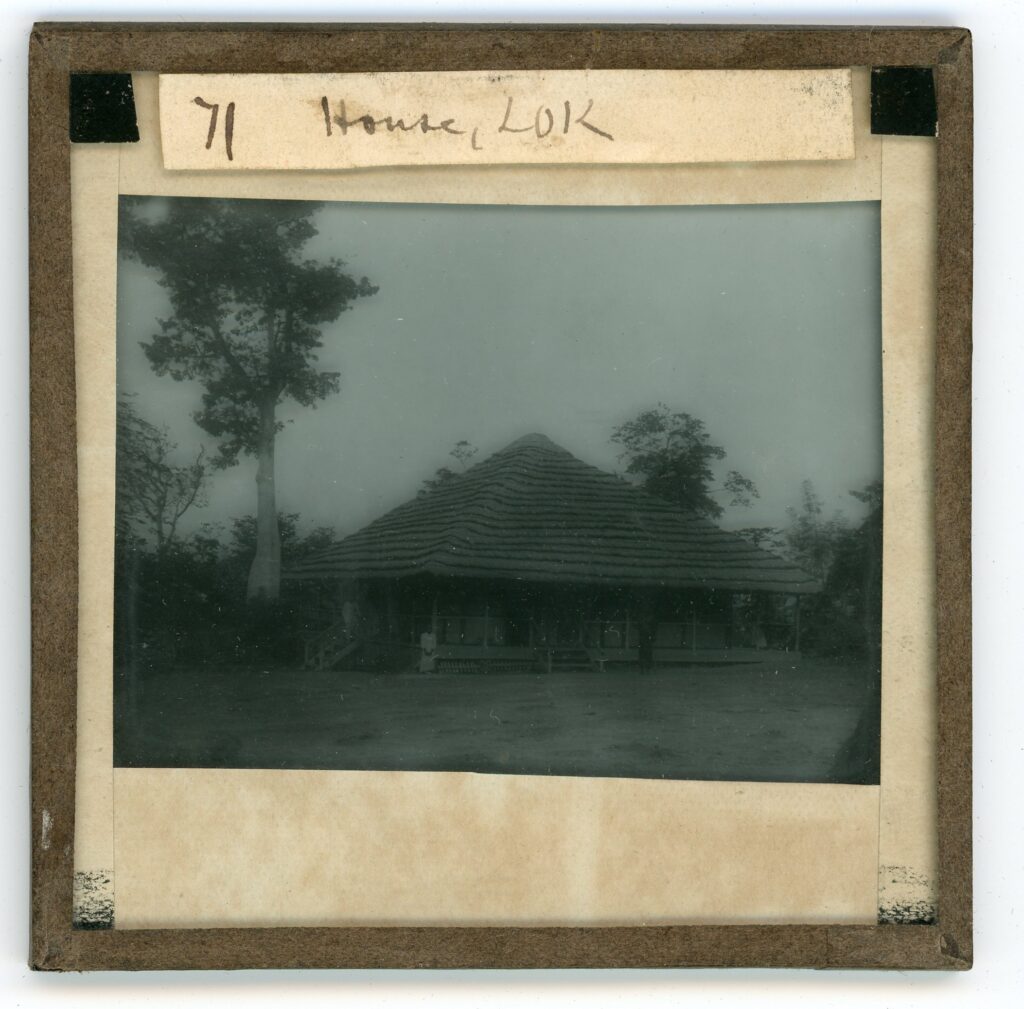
<point>808,721</point>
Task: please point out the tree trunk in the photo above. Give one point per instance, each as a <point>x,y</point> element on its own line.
<point>265,573</point>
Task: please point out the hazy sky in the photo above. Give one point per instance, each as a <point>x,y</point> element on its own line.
<point>493,322</point>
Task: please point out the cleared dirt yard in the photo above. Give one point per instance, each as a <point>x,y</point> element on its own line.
<point>811,721</point>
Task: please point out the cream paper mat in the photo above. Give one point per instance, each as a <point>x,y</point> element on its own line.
<point>214,847</point>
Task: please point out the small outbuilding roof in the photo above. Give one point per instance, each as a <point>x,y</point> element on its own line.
<point>533,512</point>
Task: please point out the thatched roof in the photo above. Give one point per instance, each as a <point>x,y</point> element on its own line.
<point>533,512</point>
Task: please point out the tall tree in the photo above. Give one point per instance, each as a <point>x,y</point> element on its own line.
<point>247,317</point>
<point>846,558</point>
<point>814,539</point>
<point>153,493</point>
<point>855,578</point>
<point>294,545</point>
<point>672,456</point>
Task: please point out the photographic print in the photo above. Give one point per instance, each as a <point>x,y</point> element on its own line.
<point>499,489</point>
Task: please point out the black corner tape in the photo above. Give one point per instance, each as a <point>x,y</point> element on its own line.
<point>903,101</point>
<point>102,109</point>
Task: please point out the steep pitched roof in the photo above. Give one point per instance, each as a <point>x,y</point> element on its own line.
<point>534,512</point>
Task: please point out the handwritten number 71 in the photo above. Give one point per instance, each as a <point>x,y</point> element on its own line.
<point>229,124</point>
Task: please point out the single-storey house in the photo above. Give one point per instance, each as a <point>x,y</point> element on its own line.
<point>534,560</point>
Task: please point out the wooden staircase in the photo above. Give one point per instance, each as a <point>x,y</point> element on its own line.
<point>330,647</point>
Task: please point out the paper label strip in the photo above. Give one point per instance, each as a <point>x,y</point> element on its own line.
<point>341,121</point>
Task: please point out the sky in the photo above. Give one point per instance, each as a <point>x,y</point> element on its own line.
<point>495,322</point>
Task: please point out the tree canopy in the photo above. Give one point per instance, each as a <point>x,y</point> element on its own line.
<point>153,493</point>
<point>248,311</point>
<point>671,455</point>
<point>846,558</point>
<point>462,452</point>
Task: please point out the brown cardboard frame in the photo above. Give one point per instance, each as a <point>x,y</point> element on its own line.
<point>57,49</point>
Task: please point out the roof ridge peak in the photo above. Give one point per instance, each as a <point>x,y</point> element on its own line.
<point>534,440</point>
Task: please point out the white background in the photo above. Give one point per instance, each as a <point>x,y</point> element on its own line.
<point>998,976</point>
